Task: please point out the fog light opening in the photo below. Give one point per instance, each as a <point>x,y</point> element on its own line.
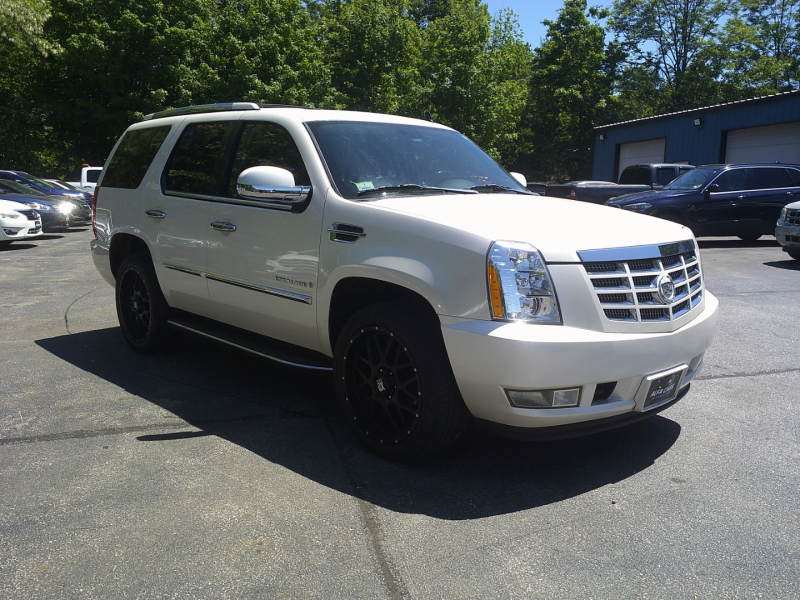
<point>560,398</point>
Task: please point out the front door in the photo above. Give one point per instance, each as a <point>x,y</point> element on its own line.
<point>262,257</point>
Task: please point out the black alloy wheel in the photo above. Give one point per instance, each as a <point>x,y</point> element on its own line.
<point>395,385</point>
<point>141,308</point>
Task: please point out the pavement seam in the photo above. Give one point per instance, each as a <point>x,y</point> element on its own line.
<point>370,521</point>
<point>66,312</point>
<point>740,375</point>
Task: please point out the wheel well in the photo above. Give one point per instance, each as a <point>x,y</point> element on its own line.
<point>355,293</point>
<point>122,246</point>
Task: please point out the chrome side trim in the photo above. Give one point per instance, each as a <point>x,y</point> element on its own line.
<point>248,285</point>
<point>246,349</point>
<point>235,201</point>
<point>186,270</point>
<point>264,289</point>
<point>636,252</point>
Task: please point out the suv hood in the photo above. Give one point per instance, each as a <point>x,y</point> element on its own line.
<point>558,228</point>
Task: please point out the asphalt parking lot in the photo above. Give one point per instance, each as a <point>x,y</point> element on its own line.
<point>207,473</point>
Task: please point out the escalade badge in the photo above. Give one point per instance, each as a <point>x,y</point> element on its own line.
<point>665,288</point>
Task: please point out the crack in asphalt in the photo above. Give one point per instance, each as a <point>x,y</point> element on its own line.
<point>370,521</point>
<point>66,312</point>
<point>740,375</point>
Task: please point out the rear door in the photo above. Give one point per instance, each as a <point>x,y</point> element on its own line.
<point>177,219</point>
<point>772,189</point>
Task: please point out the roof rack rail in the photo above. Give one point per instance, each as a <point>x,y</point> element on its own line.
<point>202,108</point>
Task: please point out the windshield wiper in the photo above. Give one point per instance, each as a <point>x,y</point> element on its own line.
<point>495,187</point>
<point>406,187</point>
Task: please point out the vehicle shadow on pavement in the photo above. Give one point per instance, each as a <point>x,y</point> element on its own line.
<point>290,419</point>
<point>789,264</point>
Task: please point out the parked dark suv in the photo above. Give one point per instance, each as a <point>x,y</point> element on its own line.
<point>740,200</point>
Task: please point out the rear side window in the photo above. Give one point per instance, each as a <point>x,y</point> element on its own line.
<point>265,144</point>
<point>795,175</point>
<point>664,175</point>
<point>636,176</point>
<point>765,178</point>
<point>134,154</point>
<point>197,161</point>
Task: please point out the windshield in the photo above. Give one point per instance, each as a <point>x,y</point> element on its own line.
<point>369,160</point>
<point>691,180</point>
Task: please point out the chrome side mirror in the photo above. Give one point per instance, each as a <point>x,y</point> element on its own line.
<point>712,188</point>
<point>271,184</point>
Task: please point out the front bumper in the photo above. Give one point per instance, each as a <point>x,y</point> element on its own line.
<point>788,236</point>
<point>489,358</point>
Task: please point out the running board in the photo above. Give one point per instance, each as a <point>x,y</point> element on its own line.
<point>274,350</point>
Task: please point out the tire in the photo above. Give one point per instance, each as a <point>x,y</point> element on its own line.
<point>795,254</point>
<point>141,308</point>
<point>749,239</point>
<point>394,383</point>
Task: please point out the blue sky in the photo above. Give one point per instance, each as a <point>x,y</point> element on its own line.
<point>531,13</point>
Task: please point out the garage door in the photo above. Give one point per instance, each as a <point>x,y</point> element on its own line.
<point>638,153</point>
<point>764,144</point>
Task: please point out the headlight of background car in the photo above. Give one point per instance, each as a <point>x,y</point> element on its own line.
<point>638,207</point>
<point>520,287</point>
<point>783,214</point>
<point>11,215</point>
<point>65,207</point>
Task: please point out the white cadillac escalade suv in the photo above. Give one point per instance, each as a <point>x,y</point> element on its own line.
<point>398,255</point>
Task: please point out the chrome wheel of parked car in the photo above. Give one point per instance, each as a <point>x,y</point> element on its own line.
<point>141,308</point>
<point>395,385</point>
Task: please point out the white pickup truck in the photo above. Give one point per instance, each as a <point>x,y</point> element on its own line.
<point>396,254</point>
<point>85,178</point>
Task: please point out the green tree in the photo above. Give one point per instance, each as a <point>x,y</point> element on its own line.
<point>762,47</point>
<point>474,73</point>
<point>571,92</point>
<point>672,39</point>
<point>22,47</point>
<point>373,47</point>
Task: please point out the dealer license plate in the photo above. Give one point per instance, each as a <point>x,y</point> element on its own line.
<point>664,388</point>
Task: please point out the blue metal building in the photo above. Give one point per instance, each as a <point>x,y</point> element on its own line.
<point>765,129</point>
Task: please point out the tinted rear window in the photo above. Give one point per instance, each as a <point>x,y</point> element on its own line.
<point>197,161</point>
<point>133,157</point>
<point>765,178</point>
<point>635,176</point>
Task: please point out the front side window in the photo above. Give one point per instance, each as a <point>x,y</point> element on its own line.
<point>134,154</point>
<point>734,180</point>
<point>263,144</point>
<point>196,164</point>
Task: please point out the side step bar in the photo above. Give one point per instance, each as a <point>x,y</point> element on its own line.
<point>275,350</point>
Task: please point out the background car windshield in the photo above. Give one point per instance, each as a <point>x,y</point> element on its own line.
<point>691,180</point>
<point>367,156</point>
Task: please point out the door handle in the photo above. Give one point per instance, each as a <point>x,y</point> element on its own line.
<point>155,214</point>
<point>222,226</point>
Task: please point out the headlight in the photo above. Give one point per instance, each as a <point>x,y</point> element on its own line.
<point>638,207</point>
<point>783,214</point>
<point>41,207</point>
<point>11,215</point>
<point>520,287</point>
<point>65,208</point>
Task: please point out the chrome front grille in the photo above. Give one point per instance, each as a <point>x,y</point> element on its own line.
<point>627,285</point>
<point>792,217</point>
